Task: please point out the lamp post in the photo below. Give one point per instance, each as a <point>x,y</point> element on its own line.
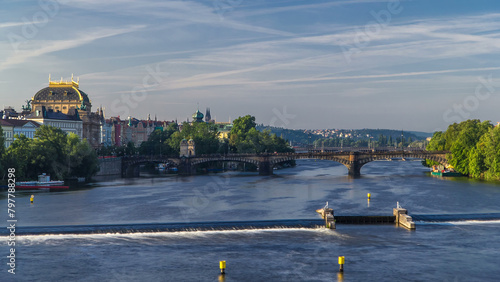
<point>160,146</point>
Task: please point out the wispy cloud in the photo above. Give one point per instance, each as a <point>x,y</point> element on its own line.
<point>11,24</point>
<point>42,47</point>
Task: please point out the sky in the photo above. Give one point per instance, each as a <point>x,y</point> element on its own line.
<point>413,65</point>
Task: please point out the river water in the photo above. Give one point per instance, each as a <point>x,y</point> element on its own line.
<point>121,230</point>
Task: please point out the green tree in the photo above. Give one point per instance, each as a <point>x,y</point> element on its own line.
<point>82,158</point>
<point>470,132</point>
<point>205,136</point>
<point>19,157</point>
<point>48,154</point>
<point>245,138</point>
<point>476,163</point>
<point>52,151</point>
<point>489,149</point>
<point>468,146</point>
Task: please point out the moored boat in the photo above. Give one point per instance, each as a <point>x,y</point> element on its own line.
<point>36,187</point>
<point>444,172</point>
<point>43,180</point>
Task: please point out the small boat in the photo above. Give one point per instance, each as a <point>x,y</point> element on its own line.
<point>36,187</point>
<point>444,172</point>
<point>46,183</point>
<point>43,180</point>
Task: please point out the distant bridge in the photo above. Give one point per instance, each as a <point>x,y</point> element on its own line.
<point>266,162</point>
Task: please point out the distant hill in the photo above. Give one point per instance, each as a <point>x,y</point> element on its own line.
<point>421,134</point>
<point>300,137</point>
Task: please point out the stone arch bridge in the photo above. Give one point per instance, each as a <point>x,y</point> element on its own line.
<point>266,162</point>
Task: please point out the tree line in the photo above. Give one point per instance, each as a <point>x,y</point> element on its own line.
<point>243,138</point>
<point>51,151</point>
<point>474,148</point>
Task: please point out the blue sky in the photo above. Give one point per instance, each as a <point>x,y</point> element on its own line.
<point>414,65</point>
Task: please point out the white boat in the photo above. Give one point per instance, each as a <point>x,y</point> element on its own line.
<point>43,179</point>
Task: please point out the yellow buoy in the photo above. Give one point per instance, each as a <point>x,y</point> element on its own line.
<point>341,263</point>
<point>341,260</point>
<point>32,198</point>
<point>222,265</point>
<point>369,195</point>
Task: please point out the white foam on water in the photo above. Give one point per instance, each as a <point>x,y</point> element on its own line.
<point>460,222</point>
<point>183,234</point>
<point>475,222</point>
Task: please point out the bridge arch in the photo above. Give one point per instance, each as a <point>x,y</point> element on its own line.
<point>130,165</point>
<point>440,159</point>
<point>283,159</point>
<point>224,159</point>
<point>344,160</point>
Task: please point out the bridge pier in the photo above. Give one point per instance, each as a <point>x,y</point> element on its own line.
<point>185,167</point>
<point>354,167</point>
<point>131,171</point>
<point>265,168</point>
<point>354,170</point>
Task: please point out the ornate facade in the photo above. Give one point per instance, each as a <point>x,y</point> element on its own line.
<point>66,97</point>
<point>187,148</point>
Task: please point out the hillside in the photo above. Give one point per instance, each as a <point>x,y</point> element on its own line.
<point>301,137</point>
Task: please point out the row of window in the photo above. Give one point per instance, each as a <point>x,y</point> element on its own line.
<point>10,134</point>
<point>64,124</point>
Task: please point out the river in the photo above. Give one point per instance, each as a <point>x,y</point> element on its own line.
<point>141,247</point>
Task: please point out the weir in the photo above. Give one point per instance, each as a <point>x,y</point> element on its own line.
<point>400,216</point>
<point>237,225</point>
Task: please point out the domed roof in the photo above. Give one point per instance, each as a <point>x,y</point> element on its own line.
<point>198,116</point>
<point>61,93</point>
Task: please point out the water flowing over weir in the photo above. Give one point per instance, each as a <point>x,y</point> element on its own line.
<point>243,225</point>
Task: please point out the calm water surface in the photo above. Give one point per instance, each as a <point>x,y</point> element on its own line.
<point>463,250</point>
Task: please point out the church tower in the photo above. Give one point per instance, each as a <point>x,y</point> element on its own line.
<point>208,117</point>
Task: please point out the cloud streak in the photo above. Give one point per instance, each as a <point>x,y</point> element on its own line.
<point>41,47</point>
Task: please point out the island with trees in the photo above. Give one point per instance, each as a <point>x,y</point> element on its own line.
<point>474,148</point>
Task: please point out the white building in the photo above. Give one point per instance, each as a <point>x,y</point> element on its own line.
<point>12,127</point>
<point>69,123</point>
